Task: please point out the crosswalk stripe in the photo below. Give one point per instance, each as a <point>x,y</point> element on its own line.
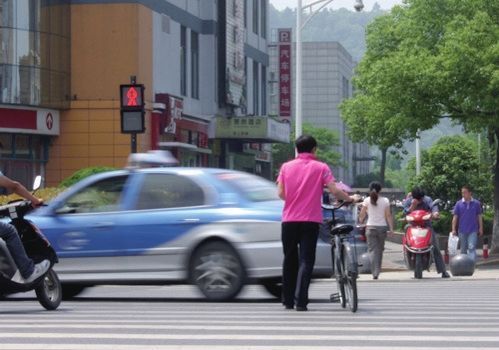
<point>437,316</point>
<point>248,337</point>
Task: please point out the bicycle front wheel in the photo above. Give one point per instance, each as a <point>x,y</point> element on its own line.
<point>351,293</point>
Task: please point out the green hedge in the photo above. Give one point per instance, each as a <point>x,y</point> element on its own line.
<point>83,173</point>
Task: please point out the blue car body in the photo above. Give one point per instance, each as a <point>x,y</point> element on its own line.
<point>170,225</point>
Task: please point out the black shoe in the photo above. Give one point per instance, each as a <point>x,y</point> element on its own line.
<point>288,307</point>
<point>445,275</point>
<point>375,277</point>
<point>301,308</point>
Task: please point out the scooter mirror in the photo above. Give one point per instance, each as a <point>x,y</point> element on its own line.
<point>37,182</point>
<point>436,202</point>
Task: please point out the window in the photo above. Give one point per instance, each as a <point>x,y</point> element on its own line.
<point>169,191</point>
<point>101,196</point>
<point>255,16</point>
<point>263,23</point>
<point>245,13</point>
<point>255,88</point>
<point>253,187</point>
<point>345,87</point>
<point>183,60</point>
<point>194,65</point>
<point>264,90</point>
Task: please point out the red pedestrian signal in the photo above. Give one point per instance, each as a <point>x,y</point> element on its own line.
<point>132,108</point>
<point>132,97</point>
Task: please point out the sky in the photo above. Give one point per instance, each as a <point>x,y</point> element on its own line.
<point>385,4</point>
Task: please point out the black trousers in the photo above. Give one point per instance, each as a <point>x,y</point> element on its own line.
<point>299,242</point>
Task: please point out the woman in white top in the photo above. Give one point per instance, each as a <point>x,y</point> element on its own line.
<point>379,219</point>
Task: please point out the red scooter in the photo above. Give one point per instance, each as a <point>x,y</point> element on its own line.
<point>417,242</point>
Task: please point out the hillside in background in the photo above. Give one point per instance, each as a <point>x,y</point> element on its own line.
<point>344,26</point>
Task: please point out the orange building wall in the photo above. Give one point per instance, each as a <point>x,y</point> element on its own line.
<point>109,43</point>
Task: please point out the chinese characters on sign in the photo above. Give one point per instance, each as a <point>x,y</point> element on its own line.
<point>175,110</point>
<point>234,73</point>
<point>285,74</point>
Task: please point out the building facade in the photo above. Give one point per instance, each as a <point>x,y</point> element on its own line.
<point>327,74</point>
<point>202,62</point>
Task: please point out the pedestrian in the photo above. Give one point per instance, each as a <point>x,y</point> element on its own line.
<point>417,200</point>
<point>379,223</point>
<point>300,184</point>
<point>27,268</point>
<point>467,222</point>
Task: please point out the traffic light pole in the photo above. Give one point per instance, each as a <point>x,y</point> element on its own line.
<point>134,142</point>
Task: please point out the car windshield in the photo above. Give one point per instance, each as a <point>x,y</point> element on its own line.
<point>252,187</point>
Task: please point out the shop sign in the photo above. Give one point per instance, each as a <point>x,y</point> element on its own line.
<point>241,127</point>
<point>278,131</point>
<point>284,73</point>
<point>258,128</point>
<point>175,110</point>
<point>234,51</point>
<point>262,156</point>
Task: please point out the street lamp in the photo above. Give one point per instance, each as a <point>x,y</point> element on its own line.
<point>299,27</point>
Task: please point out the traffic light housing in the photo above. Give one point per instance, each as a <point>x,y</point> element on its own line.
<point>132,108</point>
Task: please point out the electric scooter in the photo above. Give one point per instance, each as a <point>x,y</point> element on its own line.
<point>417,243</point>
<point>47,287</point>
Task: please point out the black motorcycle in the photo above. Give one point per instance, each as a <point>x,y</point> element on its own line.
<point>47,287</point>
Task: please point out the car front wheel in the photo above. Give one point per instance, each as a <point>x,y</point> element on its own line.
<point>217,271</point>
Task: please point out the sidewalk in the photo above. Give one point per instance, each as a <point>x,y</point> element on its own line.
<point>394,267</point>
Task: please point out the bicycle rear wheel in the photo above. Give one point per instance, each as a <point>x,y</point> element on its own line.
<point>351,293</point>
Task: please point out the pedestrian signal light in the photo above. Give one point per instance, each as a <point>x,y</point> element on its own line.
<point>132,97</point>
<point>132,108</point>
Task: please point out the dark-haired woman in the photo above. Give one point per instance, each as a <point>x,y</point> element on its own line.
<point>379,221</point>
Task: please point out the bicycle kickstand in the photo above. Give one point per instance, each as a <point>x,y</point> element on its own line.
<point>334,298</point>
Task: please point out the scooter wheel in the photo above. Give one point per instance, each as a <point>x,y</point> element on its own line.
<point>418,267</point>
<point>49,291</point>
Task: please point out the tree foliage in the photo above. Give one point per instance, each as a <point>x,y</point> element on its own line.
<point>447,166</point>
<point>431,59</point>
<point>326,139</point>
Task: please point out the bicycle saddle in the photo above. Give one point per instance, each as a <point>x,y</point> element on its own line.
<point>342,229</point>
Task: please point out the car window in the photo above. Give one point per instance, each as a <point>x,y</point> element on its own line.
<point>101,196</point>
<point>169,191</point>
<point>254,188</point>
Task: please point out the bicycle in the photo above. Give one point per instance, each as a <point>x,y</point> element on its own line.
<point>344,260</point>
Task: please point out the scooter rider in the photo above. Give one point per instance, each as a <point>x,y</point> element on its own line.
<point>29,271</point>
<point>418,201</point>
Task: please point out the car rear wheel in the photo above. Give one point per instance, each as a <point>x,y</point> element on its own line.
<point>217,271</point>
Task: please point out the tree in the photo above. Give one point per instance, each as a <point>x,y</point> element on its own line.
<point>432,59</point>
<point>326,140</point>
<point>447,166</point>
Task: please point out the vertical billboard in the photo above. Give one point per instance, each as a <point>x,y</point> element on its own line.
<point>284,73</point>
<point>234,51</point>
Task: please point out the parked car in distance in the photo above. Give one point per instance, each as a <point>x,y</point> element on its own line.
<point>217,229</point>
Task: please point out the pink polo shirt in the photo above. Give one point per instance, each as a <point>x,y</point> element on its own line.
<point>303,179</point>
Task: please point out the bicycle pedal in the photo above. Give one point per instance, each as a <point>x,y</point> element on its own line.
<point>334,298</point>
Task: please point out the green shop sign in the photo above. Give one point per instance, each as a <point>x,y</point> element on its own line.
<point>258,129</point>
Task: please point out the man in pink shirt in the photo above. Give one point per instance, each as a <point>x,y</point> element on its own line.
<point>300,184</point>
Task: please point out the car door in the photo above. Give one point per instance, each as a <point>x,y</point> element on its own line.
<point>85,228</point>
<point>167,207</point>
